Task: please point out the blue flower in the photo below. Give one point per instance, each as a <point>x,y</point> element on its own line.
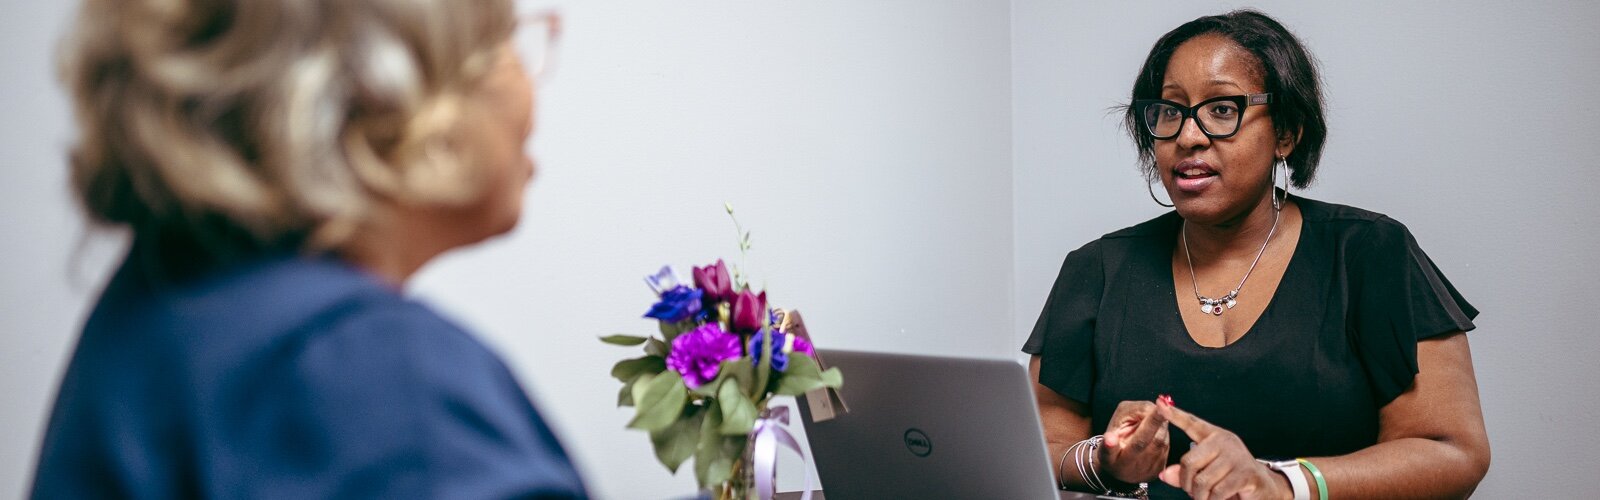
<point>677,304</point>
<point>780,349</point>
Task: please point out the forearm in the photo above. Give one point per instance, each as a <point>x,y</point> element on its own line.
<point>1068,475</point>
<point>1403,468</point>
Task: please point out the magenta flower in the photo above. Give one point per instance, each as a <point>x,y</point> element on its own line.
<point>698,354</point>
<point>749,312</point>
<point>713,280</point>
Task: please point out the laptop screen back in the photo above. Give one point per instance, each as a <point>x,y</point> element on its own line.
<point>930,427</point>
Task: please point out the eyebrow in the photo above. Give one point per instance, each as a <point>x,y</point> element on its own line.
<point>1229,83</point>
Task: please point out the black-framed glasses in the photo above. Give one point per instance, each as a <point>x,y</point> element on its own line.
<point>1218,117</point>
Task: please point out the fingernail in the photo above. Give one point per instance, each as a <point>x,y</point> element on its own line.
<point>1166,399</point>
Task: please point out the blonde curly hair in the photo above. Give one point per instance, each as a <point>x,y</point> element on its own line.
<point>239,125</point>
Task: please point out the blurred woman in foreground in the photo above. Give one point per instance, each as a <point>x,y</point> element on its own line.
<point>284,167</point>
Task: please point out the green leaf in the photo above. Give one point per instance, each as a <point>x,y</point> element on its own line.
<point>623,339</point>
<point>800,376</point>
<point>655,347</point>
<point>625,396</point>
<point>639,384</point>
<point>738,413</point>
<point>711,465</point>
<point>736,369</point>
<point>627,369</point>
<point>741,372</point>
<point>660,402</point>
<point>833,378</point>
<point>670,331</point>
<point>678,441</point>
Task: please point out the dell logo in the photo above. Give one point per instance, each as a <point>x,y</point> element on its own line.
<point>918,443</point>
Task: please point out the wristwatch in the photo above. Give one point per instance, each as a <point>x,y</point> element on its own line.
<point>1291,470</point>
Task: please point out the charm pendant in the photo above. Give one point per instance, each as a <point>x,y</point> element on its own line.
<point>1215,307</point>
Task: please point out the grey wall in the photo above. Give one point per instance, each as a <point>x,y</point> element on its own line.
<point>914,172</point>
<point>1471,122</point>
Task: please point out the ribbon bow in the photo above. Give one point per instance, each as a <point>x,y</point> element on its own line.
<point>770,430</point>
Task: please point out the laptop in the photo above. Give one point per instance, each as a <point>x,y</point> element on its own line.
<point>931,427</point>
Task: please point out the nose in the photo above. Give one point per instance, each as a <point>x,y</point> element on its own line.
<point>1190,136</point>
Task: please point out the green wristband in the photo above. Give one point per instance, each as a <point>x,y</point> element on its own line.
<point>1322,484</point>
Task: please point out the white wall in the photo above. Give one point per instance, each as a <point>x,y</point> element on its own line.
<point>1471,122</point>
<point>867,147</point>
<point>913,173</point>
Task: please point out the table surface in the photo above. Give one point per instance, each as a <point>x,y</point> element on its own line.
<point>817,495</point>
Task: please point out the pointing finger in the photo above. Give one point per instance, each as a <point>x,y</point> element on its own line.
<point>1195,427</point>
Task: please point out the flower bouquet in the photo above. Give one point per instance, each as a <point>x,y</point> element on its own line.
<point>702,387</point>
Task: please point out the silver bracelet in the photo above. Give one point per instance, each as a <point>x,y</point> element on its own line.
<point>1141,490</point>
<point>1076,451</point>
<point>1094,468</point>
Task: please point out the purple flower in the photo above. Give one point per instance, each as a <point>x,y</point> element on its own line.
<point>782,345</point>
<point>699,353</point>
<point>748,312</point>
<point>714,281</point>
<point>677,304</point>
<point>663,280</point>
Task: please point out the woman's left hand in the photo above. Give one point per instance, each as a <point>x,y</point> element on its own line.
<point>1219,467</point>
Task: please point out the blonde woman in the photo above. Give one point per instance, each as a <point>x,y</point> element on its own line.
<point>283,168</point>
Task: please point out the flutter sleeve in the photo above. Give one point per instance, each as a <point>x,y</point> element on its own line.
<point>1063,337</point>
<point>1400,298</point>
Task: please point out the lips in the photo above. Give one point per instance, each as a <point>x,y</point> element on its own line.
<point>1193,176</point>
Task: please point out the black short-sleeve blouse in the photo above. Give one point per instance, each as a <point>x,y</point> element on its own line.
<point>1337,342</point>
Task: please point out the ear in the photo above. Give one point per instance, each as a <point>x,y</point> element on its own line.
<point>1287,141</point>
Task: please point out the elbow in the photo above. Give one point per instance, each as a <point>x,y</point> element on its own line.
<point>1472,464</point>
<point>1478,460</point>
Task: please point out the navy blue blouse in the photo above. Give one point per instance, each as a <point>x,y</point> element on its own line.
<point>289,377</point>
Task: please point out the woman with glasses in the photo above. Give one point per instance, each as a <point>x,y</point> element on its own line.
<point>1315,349</point>
<point>283,168</point>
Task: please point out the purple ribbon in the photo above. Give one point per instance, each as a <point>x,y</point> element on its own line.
<point>770,431</point>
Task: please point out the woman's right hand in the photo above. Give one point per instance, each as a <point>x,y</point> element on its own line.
<point>1136,443</point>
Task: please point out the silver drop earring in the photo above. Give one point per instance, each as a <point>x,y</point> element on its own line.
<point>1151,187</point>
<point>1277,203</point>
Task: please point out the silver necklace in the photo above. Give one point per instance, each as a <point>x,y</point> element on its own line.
<point>1212,306</point>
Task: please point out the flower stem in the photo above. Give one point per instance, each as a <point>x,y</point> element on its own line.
<point>743,237</point>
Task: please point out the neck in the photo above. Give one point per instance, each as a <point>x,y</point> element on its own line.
<point>396,247</point>
<point>1236,238</point>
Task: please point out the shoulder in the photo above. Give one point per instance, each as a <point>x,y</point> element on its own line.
<point>1111,248</point>
<point>1162,226</point>
<point>1357,230</point>
<point>1345,216</point>
<point>294,316</point>
<point>1148,232</point>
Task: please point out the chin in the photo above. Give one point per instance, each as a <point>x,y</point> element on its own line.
<point>1202,211</point>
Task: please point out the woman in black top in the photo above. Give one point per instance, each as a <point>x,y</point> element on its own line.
<point>1285,327</point>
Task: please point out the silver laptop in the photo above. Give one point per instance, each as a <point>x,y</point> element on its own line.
<point>931,427</point>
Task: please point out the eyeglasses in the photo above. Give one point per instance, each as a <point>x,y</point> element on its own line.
<point>536,38</point>
<point>1218,117</point>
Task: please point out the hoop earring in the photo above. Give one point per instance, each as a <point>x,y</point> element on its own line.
<point>1150,187</point>
<point>1279,201</point>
